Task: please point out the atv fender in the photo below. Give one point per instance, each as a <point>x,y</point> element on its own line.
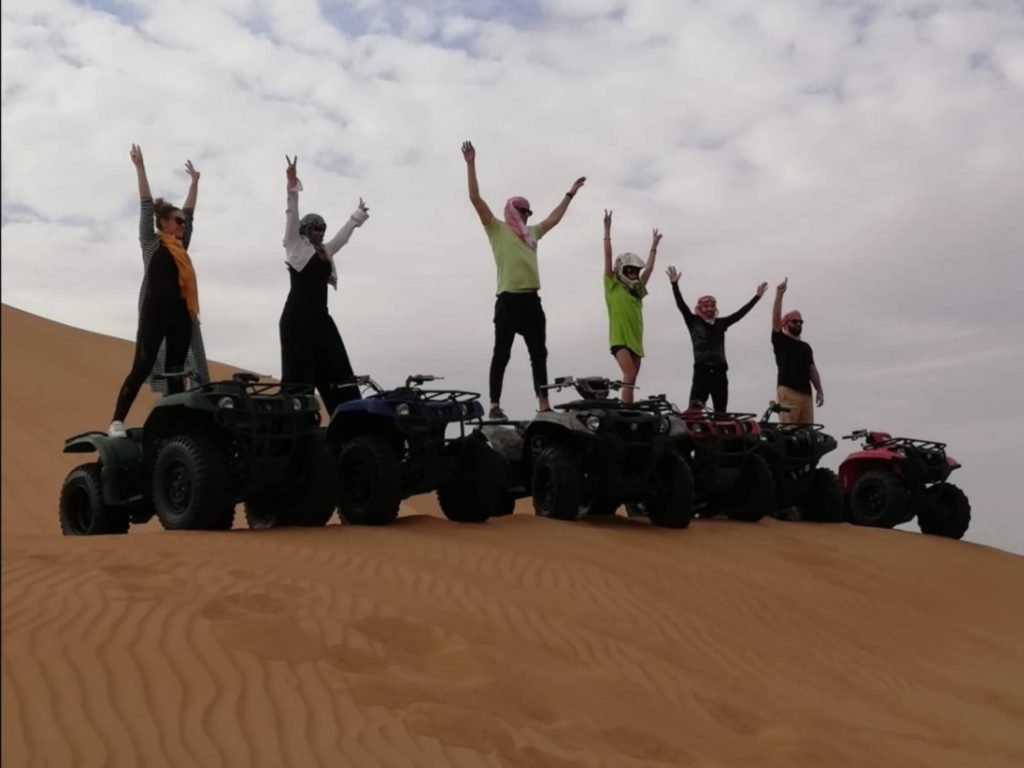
<point>120,461</point>
<point>856,464</point>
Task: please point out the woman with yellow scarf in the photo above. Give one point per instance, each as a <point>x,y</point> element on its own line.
<point>169,300</point>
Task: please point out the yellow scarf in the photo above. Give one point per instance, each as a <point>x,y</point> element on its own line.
<point>186,274</point>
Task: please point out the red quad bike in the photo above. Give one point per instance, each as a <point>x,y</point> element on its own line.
<point>893,479</point>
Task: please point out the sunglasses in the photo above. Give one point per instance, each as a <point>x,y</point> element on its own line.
<point>318,229</point>
<point>179,219</point>
<point>796,322</point>
<point>525,211</point>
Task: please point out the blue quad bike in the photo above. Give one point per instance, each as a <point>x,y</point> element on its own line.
<point>395,443</point>
<point>199,453</point>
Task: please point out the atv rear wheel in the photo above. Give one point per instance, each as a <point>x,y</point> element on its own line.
<point>82,510</point>
<point>473,493</point>
<point>947,513</point>
<point>370,482</point>
<point>670,502</point>
<point>823,500</point>
<point>189,485</point>
<point>308,495</point>
<point>879,500</point>
<point>753,494</point>
<point>557,483</point>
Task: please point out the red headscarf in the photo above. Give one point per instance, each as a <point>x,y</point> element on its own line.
<point>515,220</point>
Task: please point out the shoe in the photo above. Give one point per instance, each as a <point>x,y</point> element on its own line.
<point>117,429</point>
<point>496,414</point>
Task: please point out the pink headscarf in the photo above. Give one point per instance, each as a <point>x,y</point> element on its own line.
<point>793,314</point>
<point>514,220</point>
<point>696,308</point>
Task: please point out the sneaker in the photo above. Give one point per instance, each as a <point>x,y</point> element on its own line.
<point>496,414</point>
<point>117,429</point>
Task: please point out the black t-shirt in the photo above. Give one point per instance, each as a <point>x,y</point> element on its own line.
<point>309,287</point>
<point>794,359</point>
<point>163,277</point>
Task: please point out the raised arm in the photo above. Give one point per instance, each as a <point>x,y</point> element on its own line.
<point>291,215</point>
<point>190,203</point>
<point>655,239</point>
<point>777,307</point>
<point>359,215</point>
<point>740,313</point>
<point>469,153</point>
<point>146,233</point>
<point>607,243</point>
<point>556,215</point>
<point>673,276</point>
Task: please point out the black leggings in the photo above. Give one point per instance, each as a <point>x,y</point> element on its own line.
<point>710,380</point>
<point>518,313</point>
<point>313,353</point>
<point>158,322</point>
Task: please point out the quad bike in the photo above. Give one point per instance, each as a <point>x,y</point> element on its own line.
<point>730,478</point>
<point>803,490</point>
<point>893,479</point>
<point>393,444</point>
<point>589,456</point>
<point>198,454</point>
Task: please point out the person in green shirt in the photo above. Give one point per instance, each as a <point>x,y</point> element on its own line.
<point>517,310</point>
<point>625,285</point>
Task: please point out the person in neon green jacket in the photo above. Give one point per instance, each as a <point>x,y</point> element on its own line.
<point>625,285</point>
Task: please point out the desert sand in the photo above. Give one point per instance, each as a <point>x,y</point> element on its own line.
<point>521,642</point>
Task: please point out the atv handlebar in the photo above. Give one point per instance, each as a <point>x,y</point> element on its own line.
<point>774,407</point>
<point>419,379</point>
<point>590,382</point>
<point>857,434</point>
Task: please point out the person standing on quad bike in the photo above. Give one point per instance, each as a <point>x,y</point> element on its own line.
<point>168,335</point>
<point>625,286</point>
<point>707,333</point>
<point>312,351</point>
<point>795,361</point>
<point>517,309</point>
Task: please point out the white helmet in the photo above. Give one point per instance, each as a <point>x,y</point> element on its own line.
<point>624,260</point>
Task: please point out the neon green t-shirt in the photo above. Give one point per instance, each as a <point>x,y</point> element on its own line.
<point>516,261</point>
<point>625,315</point>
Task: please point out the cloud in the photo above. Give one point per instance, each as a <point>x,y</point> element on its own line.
<point>871,152</point>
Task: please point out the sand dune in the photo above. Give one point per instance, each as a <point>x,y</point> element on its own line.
<point>522,642</point>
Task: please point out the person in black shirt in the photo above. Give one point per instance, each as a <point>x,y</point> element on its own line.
<point>312,351</point>
<point>795,361</point>
<point>707,332</point>
<point>169,300</point>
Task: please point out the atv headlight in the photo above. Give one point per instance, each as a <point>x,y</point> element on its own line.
<point>463,410</point>
<point>296,404</point>
<point>665,425</point>
<point>226,402</point>
<point>402,409</point>
<point>593,423</point>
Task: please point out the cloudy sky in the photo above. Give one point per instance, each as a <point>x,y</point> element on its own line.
<point>873,152</point>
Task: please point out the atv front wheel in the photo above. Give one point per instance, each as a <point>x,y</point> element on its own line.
<point>557,484</point>
<point>308,495</point>
<point>370,482</point>
<point>473,493</point>
<point>753,495</point>
<point>947,513</point>
<point>823,500</point>
<point>82,510</point>
<point>879,500</point>
<point>670,502</point>
<point>189,485</point>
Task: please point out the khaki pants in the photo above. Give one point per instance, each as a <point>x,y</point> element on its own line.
<point>801,406</point>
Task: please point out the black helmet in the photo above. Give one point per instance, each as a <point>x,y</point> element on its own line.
<point>311,221</point>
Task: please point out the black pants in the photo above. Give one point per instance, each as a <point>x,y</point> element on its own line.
<point>522,314</point>
<point>313,353</point>
<point>159,321</point>
<point>710,379</point>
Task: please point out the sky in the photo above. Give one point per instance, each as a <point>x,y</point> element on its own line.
<point>871,152</point>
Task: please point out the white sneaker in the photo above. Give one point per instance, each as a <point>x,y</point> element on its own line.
<point>117,429</point>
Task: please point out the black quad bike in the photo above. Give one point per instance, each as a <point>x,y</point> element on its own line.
<point>803,490</point>
<point>731,479</point>
<point>393,444</point>
<point>893,479</point>
<point>198,454</point>
<point>591,455</point>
